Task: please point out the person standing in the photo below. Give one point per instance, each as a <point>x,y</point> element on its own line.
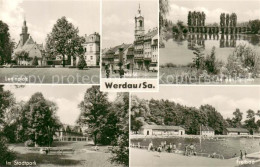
<point>150,147</point>
<point>241,155</point>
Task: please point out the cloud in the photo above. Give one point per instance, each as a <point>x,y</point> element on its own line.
<point>181,101</point>
<point>180,12</point>
<point>68,110</point>
<point>12,14</point>
<point>226,105</point>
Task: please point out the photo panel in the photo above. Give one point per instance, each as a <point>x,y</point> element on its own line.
<point>217,127</point>
<point>50,42</point>
<point>209,42</point>
<point>130,45</point>
<point>63,125</point>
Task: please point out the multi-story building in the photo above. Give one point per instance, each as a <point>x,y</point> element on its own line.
<point>116,55</point>
<point>92,49</point>
<point>145,51</point>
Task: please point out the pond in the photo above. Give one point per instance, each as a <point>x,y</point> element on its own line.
<point>227,147</point>
<point>178,51</point>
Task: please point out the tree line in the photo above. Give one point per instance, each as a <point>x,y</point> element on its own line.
<point>227,20</point>
<point>196,18</point>
<point>165,112</point>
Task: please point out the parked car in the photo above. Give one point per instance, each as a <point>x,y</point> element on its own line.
<point>153,68</point>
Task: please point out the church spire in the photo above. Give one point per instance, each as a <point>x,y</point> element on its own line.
<point>139,10</point>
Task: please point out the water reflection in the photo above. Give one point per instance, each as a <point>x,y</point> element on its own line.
<point>225,40</point>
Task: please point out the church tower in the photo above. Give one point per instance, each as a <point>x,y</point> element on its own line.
<point>24,35</point>
<point>139,24</point>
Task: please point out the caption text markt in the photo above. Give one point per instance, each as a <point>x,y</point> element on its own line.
<point>143,85</point>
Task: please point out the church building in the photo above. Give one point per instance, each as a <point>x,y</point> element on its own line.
<point>145,45</point>
<point>27,44</point>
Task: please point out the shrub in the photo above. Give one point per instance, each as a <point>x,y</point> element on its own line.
<point>5,154</point>
<point>244,59</point>
<point>82,63</point>
<point>29,143</point>
<point>35,61</point>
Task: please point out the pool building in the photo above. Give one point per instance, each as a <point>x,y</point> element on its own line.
<point>236,131</point>
<point>207,131</point>
<point>161,130</point>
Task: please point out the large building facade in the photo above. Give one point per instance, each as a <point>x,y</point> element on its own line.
<point>92,49</point>
<point>145,45</point>
<point>161,130</point>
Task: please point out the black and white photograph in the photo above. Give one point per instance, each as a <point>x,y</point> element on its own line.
<point>63,125</point>
<point>209,42</point>
<point>130,39</point>
<point>50,42</point>
<point>216,127</point>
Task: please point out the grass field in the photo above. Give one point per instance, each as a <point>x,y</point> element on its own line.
<point>136,74</point>
<point>185,75</point>
<point>50,75</point>
<point>84,155</point>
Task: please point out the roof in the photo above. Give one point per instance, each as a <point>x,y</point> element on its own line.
<point>92,38</point>
<point>28,46</point>
<point>113,50</point>
<point>162,127</point>
<point>206,128</point>
<point>152,33</point>
<point>238,130</point>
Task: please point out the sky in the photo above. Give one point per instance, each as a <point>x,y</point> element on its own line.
<point>225,98</point>
<point>245,9</point>
<point>41,15</point>
<point>119,23</point>
<point>67,98</point>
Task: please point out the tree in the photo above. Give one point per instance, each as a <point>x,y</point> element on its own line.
<point>82,63</point>
<point>94,110</point>
<point>211,63</point>
<point>238,116</point>
<point>22,55</point>
<point>227,20</point>
<point>135,124</point>
<point>198,60</point>
<point>214,118</point>
<point>164,10</point>
<point>6,101</point>
<point>42,119</point>
<point>254,26</point>
<point>64,40</point>
<point>250,122</point>
<point>189,18</point>
<point>35,61</point>
<point>6,44</point>
<point>203,17</point>
<point>121,152</point>
<point>222,20</point>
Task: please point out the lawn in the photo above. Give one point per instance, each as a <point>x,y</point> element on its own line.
<point>135,74</point>
<point>186,75</point>
<point>50,75</point>
<point>84,155</point>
